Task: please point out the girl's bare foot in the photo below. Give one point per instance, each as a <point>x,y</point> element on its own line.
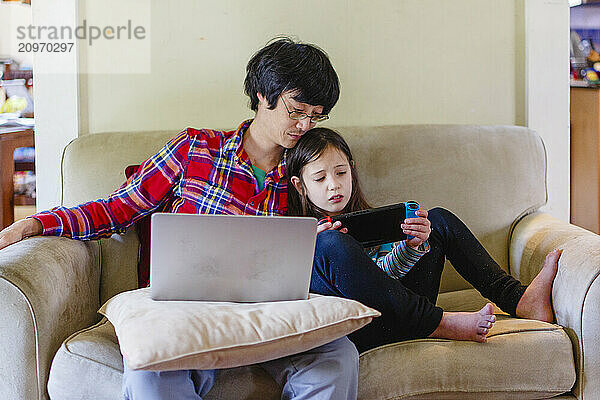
<point>472,326</point>
<point>536,302</point>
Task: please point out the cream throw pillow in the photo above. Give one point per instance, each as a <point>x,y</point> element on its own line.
<point>174,335</point>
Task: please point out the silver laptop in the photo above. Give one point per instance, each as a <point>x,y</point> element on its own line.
<point>230,258</point>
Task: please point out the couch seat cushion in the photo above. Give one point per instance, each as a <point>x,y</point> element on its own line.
<point>522,359</point>
<point>464,300</point>
<point>89,365</point>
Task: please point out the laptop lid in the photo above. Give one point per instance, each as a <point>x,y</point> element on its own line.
<point>230,257</point>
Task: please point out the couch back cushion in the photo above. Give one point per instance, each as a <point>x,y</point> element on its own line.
<point>93,166</point>
<point>489,176</point>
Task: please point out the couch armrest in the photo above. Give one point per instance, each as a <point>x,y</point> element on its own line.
<point>49,288</point>
<point>576,288</point>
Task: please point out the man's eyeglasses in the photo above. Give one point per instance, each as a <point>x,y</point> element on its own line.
<point>299,115</point>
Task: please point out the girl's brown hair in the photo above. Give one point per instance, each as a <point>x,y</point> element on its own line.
<point>310,147</point>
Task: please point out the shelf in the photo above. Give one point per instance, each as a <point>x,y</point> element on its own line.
<point>21,200</point>
<point>24,166</point>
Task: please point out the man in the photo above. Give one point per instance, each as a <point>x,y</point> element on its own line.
<point>291,86</point>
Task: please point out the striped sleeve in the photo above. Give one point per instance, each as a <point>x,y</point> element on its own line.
<point>401,259</point>
<point>141,194</point>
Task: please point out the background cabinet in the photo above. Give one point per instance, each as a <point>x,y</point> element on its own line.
<point>9,141</point>
<point>585,160</point>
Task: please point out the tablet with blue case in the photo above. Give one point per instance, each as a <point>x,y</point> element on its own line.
<point>379,225</point>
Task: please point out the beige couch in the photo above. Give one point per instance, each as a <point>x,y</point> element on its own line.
<point>52,339</point>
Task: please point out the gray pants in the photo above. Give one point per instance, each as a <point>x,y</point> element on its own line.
<point>328,372</point>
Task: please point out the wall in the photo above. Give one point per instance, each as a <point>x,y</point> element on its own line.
<point>547,93</point>
<point>56,97</point>
<point>12,15</point>
<point>585,20</point>
<point>399,62</point>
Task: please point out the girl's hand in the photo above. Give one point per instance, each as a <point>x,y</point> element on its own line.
<point>420,228</point>
<point>327,226</point>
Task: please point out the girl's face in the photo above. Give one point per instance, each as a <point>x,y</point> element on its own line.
<point>327,180</point>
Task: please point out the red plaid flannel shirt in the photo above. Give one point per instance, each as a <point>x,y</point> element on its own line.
<point>198,172</point>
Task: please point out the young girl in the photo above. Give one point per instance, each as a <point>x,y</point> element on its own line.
<point>324,182</point>
<point>316,200</point>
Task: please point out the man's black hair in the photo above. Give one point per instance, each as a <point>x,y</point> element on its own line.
<point>285,64</point>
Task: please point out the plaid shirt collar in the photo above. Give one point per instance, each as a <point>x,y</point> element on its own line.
<point>234,144</point>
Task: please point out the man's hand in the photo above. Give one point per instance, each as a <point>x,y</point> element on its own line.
<point>19,231</point>
<point>420,228</point>
<point>327,226</point>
